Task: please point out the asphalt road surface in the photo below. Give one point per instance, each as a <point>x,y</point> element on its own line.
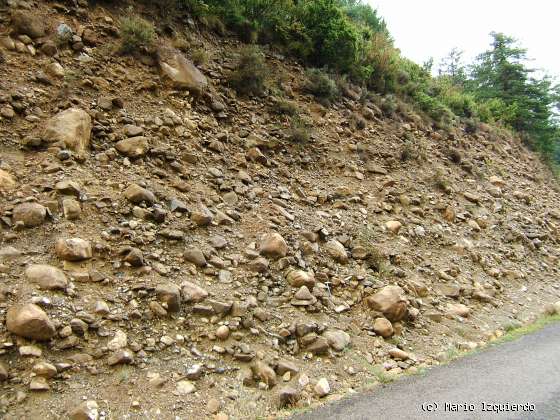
<point>525,372</point>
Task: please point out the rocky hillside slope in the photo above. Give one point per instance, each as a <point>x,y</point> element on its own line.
<point>167,252</point>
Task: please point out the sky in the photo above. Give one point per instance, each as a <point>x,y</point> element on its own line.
<point>431,28</point>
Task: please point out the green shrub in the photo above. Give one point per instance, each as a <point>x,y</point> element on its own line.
<point>433,107</point>
<point>136,33</point>
<point>359,122</point>
<point>196,8</point>
<point>334,38</point>
<point>200,56</point>
<point>471,126</point>
<point>454,156</point>
<point>321,85</point>
<point>383,59</point>
<point>299,131</point>
<point>180,42</point>
<point>285,107</point>
<point>249,78</point>
<point>389,105</point>
<point>441,180</point>
<point>413,149</point>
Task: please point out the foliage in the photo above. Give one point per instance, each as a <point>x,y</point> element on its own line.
<point>200,56</point>
<point>513,95</point>
<point>136,33</point>
<point>357,11</point>
<point>249,78</point>
<point>321,85</point>
<point>453,68</point>
<point>285,107</point>
<point>299,131</point>
<point>349,37</point>
<point>333,37</point>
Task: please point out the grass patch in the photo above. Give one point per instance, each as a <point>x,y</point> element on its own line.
<point>299,132</point>
<point>286,107</point>
<point>514,332</point>
<point>200,56</point>
<point>136,33</point>
<point>122,374</point>
<point>440,179</point>
<point>381,374</point>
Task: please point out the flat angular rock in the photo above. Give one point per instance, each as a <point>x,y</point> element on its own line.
<point>46,276</point>
<point>73,249</point>
<point>319,346</point>
<point>70,129</point>
<point>193,293</point>
<point>133,130</point>
<point>170,294</point>
<point>44,369</point>
<point>458,309</point>
<point>183,73</point>
<point>120,357</point>
<point>195,256</point>
<point>68,187</point>
<point>286,366</point>
<point>259,265</point>
<point>39,383</point>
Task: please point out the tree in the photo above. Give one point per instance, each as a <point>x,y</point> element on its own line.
<point>519,99</point>
<point>452,66</point>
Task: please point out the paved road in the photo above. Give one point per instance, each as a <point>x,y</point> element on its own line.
<point>526,371</point>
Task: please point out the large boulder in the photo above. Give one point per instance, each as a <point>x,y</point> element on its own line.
<point>70,129</point>
<point>73,249</point>
<point>46,276</point>
<point>383,327</point>
<point>183,73</point>
<point>390,301</point>
<point>87,410</point>
<point>273,245</point>
<point>337,251</point>
<point>264,373</point>
<point>136,194</point>
<point>30,321</point>
<point>337,339</point>
<point>7,181</point>
<point>27,23</point>
<point>30,214</point>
